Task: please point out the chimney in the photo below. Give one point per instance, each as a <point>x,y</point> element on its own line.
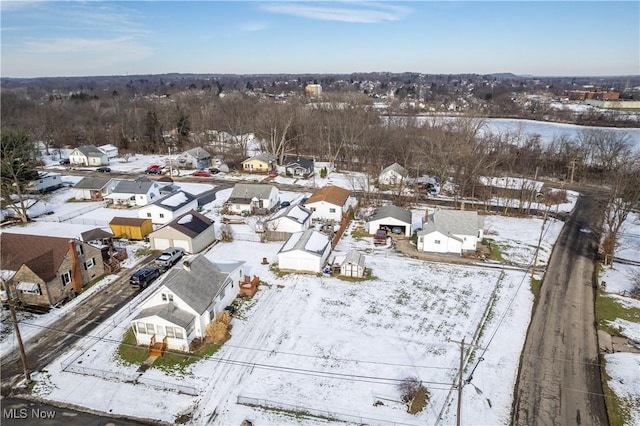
<point>76,272</point>
<point>426,216</point>
<point>186,265</point>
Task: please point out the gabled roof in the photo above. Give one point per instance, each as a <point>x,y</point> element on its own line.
<point>198,153</point>
<point>169,312</point>
<point>354,257</point>
<point>456,222</point>
<point>92,183</point>
<point>190,224</point>
<point>245,192</point>
<point>198,286</point>
<point>128,221</point>
<point>107,147</point>
<point>264,157</point>
<point>396,168</point>
<point>90,151</point>
<point>331,194</point>
<point>43,255</point>
<point>138,186</point>
<point>174,201</point>
<point>301,162</point>
<point>295,212</point>
<point>392,211</point>
<point>311,241</point>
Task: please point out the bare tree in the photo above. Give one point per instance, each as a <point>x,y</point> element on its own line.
<point>18,157</point>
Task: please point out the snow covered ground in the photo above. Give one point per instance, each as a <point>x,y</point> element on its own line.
<point>332,347</point>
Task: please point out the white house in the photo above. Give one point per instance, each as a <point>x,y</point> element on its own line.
<point>196,158</point>
<point>139,192</point>
<point>393,175</point>
<point>253,197</point>
<point>46,182</point>
<point>191,232</point>
<point>189,298</point>
<point>294,218</point>
<point>165,209</point>
<point>88,155</point>
<point>330,203</point>
<point>451,231</point>
<point>390,218</point>
<point>110,150</point>
<point>353,265</point>
<point>93,188</point>
<point>34,208</point>
<point>305,251</point>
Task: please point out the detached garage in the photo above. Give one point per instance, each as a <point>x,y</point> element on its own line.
<point>130,227</point>
<point>191,232</point>
<point>388,218</point>
<point>305,251</point>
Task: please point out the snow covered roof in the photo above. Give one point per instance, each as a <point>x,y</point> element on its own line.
<point>138,186</point>
<point>512,183</point>
<point>354,258</point>
<point>396,168</point>
<point>92,183</point>
<point>294,212</point>
<point>198,153</point>
<point>392,211</point>
<point>174,201</point>
<point>90,151</point>
<point>453,222</point>
<point>311,241</point>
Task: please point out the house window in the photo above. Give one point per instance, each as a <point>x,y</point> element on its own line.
<point>179,333</point>
<point>332,210</point>
<point>150,328</point>
<point>66,278</point>
<point>148,214</point>
<point>170,332</point>
<point>436,242</point>
<point>167,297</point>
<point>141,328</point>
<point>79,249</point>
<point>160,330</point>
<point>89,263</point>
<point>30,288</point>
<point>161,215</point>
<point>221,294</point>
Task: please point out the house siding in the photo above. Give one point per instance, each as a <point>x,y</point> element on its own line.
<point>153,212</point>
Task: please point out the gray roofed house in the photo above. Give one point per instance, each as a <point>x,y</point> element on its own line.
<point>169,312</point>
<point>451,231</point>
<point>299,167</point>
<point>93,188</point>
<point>198,158</point>
<point>393,175</point>
<point>138,186</point>
<point>390,218</point>
<point>138,192</point>
<point>250,196</point>
<point>188,298</point>
<point>88,155</point>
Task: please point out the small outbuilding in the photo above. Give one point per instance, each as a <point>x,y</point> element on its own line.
<point>353,265</point>
<point>130,227</point>
<point>305,251</point>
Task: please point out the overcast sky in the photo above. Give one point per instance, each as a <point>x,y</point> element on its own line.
<point>568,38</point>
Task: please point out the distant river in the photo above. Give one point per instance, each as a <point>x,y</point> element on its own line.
<point>547,131</point>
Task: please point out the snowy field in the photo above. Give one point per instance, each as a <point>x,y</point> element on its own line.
<point>331,347</point>
<point>621,277</point>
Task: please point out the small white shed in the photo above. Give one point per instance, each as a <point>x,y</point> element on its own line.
<point>353,265</point>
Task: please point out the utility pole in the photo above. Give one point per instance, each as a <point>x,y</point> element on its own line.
<point>535,256</point>
<point>572,168</point>
<point>14,320</point>
<point>460,381</point>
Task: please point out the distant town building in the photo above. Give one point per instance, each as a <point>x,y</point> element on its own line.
<point>314,91</point>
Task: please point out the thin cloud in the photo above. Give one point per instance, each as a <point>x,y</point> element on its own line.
<point>80,45</point>
<point>364,13</point>
<point>254,26</point>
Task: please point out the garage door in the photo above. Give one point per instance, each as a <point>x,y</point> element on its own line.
<point>161,243</point>
<point>183,244</point>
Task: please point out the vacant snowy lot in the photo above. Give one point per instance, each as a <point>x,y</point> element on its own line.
<point>327,346</point>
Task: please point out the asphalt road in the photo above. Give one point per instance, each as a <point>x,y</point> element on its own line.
<point>559,381</point>
<point>68,329</point>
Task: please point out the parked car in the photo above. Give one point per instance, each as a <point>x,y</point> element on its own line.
<point>273,173</point>
<point>380,237</point>
<point>65,161</point>
<point>304,200</point>
<point>203,173</point>
<point>103,170</point>
<point>214,170</point>
<point>169,257</point>
<point>143,277</point>
<point>154,167</point>
<point>284,204</point>
<point>397,230</point>
<point>153,171</point>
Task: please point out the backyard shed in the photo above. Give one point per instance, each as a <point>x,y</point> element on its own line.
<point>305,251</point>
<point>130,227</point>
<point>353,265</point>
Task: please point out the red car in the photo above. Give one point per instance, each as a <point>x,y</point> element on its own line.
<point>204,173</point>
<point>154,167</point>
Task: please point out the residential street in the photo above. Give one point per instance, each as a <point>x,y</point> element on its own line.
<point>559,380</point>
